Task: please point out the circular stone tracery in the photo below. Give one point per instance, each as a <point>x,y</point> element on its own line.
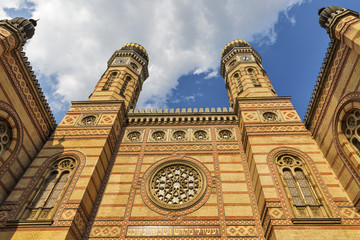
<point>5,135</point>
<point>176,185</point>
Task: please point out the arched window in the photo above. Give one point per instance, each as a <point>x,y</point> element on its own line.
<point>45,201</point>
<point>124,86</point>
<point>236,77</point>
<point>299,187</point>
<point>254,79</point>
<point>5,135</point>
<point>109,81</point>
<point>351,129</point>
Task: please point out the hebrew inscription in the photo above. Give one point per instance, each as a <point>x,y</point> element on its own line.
<point>173,231</point>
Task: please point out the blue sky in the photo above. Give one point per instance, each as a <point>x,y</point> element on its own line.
<point>184,39</point>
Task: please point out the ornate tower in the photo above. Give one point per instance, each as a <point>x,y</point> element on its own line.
<point>123,79</point>
<point>243,73</point>
<point>276,146</point>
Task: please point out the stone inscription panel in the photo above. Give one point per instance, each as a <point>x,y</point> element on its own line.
<point>173,231</point>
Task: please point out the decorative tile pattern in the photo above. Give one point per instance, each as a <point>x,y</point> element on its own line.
<point>241,231</point>
<point>290,115</point>
<point>250,116</point>
<point>349,213</point>
<point>276,213</point>
<point>82,133</point>
<point>178,148</point>
<point>105,231</point>
<point>68,214</point>
<point>274,129</point>
<point>69,120</point>
<point>107,119</point>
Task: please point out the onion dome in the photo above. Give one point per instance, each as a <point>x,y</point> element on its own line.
<point>136,48</point>
<point>233,44</point>
<point>325,14</point>
<point>26,27</point>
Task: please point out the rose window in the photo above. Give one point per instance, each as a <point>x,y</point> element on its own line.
<point>288,161</point>
<point>158,135</point>
<point>179,135</point>
<point>225,134</point>
<point>5,135</point>
<point>351,129</point>
<point>200,135</point>
<point>88,120</point>
<point>270,116</point>
<point>176,185</point>
<point>134,136</point>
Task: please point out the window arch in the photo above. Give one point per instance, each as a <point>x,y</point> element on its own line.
<point>110,80</point>
<point>5,135</point>
<point>300,189</point>
<point>345,131</point>
<point>351,128</point>
<point>50,191</point>
<point>124,86</point>
<point>299,185</point>
<point>237,81</point>
<point>254,79</point>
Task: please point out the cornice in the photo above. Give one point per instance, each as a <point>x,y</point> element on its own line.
<point>184,116</point>
<point>329,55</point>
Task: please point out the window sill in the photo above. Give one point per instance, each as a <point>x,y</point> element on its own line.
<point>30,223</point>
<point>319,221</point>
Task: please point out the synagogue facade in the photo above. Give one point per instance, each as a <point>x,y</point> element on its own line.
<point>251,171</point>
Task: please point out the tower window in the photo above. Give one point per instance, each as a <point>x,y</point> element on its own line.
<point>124,86</point>
<point>254,79</point>
<point>238,82</point>
<point>232,63</point>
<point>134,66</point>
<point>109,81</point>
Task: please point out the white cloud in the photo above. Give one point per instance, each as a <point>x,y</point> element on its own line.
<point>74,39</point>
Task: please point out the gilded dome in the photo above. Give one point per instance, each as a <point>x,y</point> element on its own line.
<point>232,44</point>
<point>137,48</point>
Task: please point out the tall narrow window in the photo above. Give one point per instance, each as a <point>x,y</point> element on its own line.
<point>351,129</point>
<point>109,81</point>
<point>254,79</point>
<point>238,82</point>
<point>46,199</point>
<point>298,185</point>
<point>124,86</point>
